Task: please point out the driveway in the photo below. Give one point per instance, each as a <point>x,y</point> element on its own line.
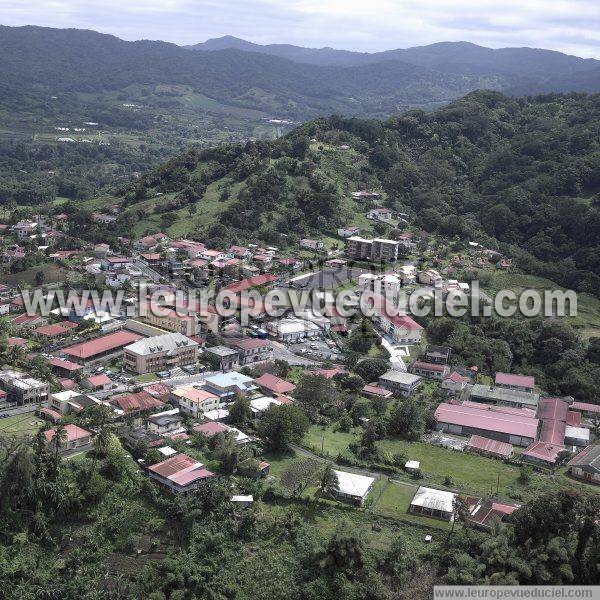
<point>282,352</point>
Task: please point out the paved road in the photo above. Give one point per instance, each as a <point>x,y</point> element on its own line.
<point>147,271</point>
<point>21,410</point>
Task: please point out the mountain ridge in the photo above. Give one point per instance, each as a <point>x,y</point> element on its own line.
<point>424,55</point>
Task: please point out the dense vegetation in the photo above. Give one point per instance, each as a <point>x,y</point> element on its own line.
<point>520,175</point>
<point>94,527</point>
<point>150,100</point>
<point>64,61</point>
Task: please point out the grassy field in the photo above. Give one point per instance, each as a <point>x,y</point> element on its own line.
<point>587,320</point>
<point>52,273</point>
<point>325,519</point>
<point>206,211</point>
<point>328,440</point>
<point>392,499</point>
<point>469,473</point>
<point>20,425</point>
<point>387,499</point>
<point>146,378</point>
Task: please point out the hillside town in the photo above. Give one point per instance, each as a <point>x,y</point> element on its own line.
<point>194,395</point>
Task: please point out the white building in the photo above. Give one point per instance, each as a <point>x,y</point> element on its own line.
<point>23,389</point>
<point>288,330</point>
<point>353,487</point>
<point>433,503</point>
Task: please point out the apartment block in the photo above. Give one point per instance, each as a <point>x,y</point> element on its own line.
<point>378,249</point>
<point>160,353</point>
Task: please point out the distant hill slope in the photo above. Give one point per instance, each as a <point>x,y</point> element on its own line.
<point>281,80</point>
<point>70,60</point>
<point>522,173</point>
<point>455,56</point>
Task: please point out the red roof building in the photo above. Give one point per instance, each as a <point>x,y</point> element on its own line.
<point>404,329</point>
<point>210,429</point>
<point>75,437</point>
<point>97,382</point>
<point>489,512</point>
<point>512,425</point>
<point>250,282</point>
<point>552,408</point>
<point>586,408</point>
<point>67,384</point>
<point>488,447</point>
<point>553,414</point>
<point>430,370</point>
<point>55,329</point>
<point>136,402</point>
<point>513,381</point>
<point>273,384</point>
<point>329,373</point>
<point>64,365</point>
<point>158,390</point>
<point>372,389</point>
<point>101,346</point>
<point>542,453</point>
<point>50,414</point>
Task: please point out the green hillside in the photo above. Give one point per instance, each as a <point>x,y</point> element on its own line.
<point>520,175</point>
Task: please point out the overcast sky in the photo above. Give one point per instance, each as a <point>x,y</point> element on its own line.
<point>571,26</point>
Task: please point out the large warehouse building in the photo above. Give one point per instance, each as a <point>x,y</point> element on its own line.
<point>511,425</point>
<point>99,347</point>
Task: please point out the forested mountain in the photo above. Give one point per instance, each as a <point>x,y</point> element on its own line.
<point>519,174</point>
<point>457,57</point>
<point>149,100</point>
<point>70,60</point>
<point>290,81</point>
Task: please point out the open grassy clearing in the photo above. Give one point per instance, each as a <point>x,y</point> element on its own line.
<point>53,273</point>
<point>469,473</point>
<point>587,320</point>
<point>20,425</point>
<point>392,499</point>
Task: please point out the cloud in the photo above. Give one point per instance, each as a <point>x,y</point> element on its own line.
<point>569,26</point>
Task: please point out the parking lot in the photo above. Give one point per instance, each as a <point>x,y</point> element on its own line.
<point>322,349</point>
<point>328,278</point>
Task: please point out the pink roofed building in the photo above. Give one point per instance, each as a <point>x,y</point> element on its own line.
<point>489,447</point>
<point>543,453</point>
<point>372,389</point>
<point>491,511</point>
<point>454,383</point>
<point>102,346</point>
<point>586,409</point>
<point>511,381</point>
<point>511,425</point>
<point>75,437</point>
<point>99,382</point>
<point>210,429</point>
<point>402,328</point>
<point>429,370</point>
<point>180,473</point>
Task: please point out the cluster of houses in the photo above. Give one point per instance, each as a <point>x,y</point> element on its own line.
<point>493,417</point>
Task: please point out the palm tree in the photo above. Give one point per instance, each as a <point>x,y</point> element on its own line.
<point>329,485</point>
<point>102,442</point>
<point>59,438</point>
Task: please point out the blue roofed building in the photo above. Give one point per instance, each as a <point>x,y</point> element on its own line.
<point>227,385</point>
